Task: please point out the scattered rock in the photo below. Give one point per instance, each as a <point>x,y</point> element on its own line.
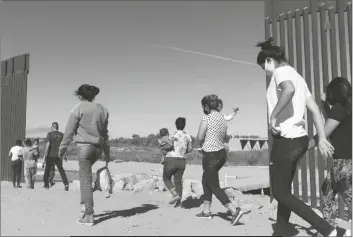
<point>187,191</point>
<point>119,185</point>
<point>129,187</point>
<point>143,185</point>
<point>197,189</point>
<point>160,186</point>
<point>75,185</point>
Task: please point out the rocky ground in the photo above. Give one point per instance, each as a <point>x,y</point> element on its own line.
<point>54,212</point>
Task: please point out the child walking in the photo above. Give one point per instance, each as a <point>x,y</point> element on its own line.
<point>165,141</point>
<point>338,127</point>
<point>30,158</point>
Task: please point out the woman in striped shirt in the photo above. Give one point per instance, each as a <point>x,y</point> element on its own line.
<point>211,134</point>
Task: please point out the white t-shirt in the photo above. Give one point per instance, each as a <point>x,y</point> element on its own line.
<point>295,110</point>
<point>15,152</point>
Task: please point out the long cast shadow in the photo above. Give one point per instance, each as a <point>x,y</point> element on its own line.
<point>124,213</point>
<point>192,203</point>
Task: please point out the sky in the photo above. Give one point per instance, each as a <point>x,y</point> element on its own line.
<point>119,47</point>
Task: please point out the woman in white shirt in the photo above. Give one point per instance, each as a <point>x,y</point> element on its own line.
<point>16,164</point>
<point>287,98</point>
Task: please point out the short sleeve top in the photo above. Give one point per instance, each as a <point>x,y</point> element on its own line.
<point>216,132</point>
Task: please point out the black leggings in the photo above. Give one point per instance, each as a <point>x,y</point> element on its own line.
<point>212,162</point>
<point>16,171</point>
<point>285,155</point>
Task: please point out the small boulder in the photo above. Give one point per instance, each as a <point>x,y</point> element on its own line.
<point>143,185</point>
<point>187,191</point>
<point>119,185</point>
<point>197,189</point>
<point>160,186</point>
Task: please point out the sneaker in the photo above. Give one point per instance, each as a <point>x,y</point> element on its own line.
<point>45,187</point>
<point>178,203</point>
<point>204,215</point>
<point>83,210</point>
<point>174,199</point>
<point>52,184</point>
<point>236,216</point>
<point>66,187</point>
<point>19,186</point>
<point>86,220</point>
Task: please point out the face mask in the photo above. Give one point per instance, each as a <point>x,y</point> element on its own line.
<point>269,67</point>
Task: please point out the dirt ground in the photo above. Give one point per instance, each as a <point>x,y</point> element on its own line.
<point>54,212</point>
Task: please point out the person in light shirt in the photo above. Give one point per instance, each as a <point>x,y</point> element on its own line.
<point>288,97</point>
<point>16,164</point>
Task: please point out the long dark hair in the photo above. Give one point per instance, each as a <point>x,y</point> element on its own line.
<point>270,51</point>
<point>339,90</point>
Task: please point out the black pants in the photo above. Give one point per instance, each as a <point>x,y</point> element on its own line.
<point>16,171</point>
<point>285,155</point>
<point>52,161</point>
<point>174,167</point>
<point>212,162</point>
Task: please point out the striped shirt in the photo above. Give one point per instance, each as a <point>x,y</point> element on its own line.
<point>216,132</point>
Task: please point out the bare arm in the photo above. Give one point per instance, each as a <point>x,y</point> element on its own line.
<point>201,134</point>
<point>325,147</point>
<point>318,121</point>
<point>330,126</point>
<point>190,147</point>
<point>287,93</point>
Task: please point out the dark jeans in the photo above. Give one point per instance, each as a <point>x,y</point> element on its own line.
<point>52,161</point>
<point>16,171</point>
<point>174,167</point>
<point>285,155</point>
<point>212,162</point>
<point>51,174</point>
<point>87,156</point>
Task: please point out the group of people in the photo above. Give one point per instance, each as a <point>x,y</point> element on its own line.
<point>27,152</point>
<point>287,96</point>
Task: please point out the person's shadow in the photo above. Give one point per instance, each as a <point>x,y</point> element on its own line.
<point>124,213</point>
<point>192,202</point>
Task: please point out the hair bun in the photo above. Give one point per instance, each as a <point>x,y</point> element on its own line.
<point>94,90</point>
<point>266,44</point>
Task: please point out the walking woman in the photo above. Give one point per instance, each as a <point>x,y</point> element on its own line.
<point>287,97</point>
<point>16,164</point>
<point>338,128</point>
<point>88,121</point>
<point>175,161</point>
<point>211,134</point>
